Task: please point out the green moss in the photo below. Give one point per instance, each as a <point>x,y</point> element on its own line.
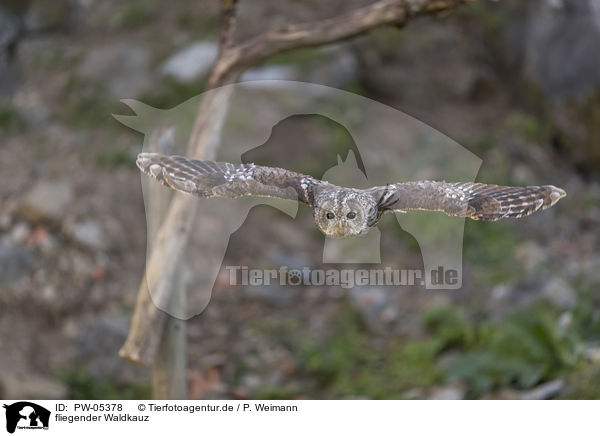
<point>586,318</point>
<point>387,39</point>
<point>11,120</point>
<point>411,365</point>
<point>521,351</point>
<point>527,348</point>
<point>487,249</point>
<point>584,382</point>
<point>583,111</point>
<point>300,57</point>
<point>491,17</point>
<point>449,327</point>
<point>340,355</point>
<point>356,87</point>
<point>198,22</point>
<point>529,127</point>
<point>481,144</point>
<point>83,386</point>
<point>86,105</point>
<point>136,15</point>
<point>349,363</point>
<point>345,368</point>
<point>276,393</point>
<point>169,93</point>
<point>111,157</point>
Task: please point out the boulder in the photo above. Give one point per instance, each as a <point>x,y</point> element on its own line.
<point>123,66</point>
<point>97,350</point>
<point>19,383</point>
<point>191,62</point>
<point>15,261</point>
<point>554,45</point>
<point>47,201</point>
<point>89,234</point>
<point>42,15</point>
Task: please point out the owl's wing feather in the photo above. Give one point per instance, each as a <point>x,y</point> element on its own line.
<point>478,201</point>
<point>223,179</point>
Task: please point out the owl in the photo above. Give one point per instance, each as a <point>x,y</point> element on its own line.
<point>342,212</point>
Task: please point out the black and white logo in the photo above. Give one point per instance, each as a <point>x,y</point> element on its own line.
<point>26,415</point>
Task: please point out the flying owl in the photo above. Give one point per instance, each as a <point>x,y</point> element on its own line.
<point>341,212</point>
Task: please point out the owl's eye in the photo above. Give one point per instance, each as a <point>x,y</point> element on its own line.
<point>330,216</point>
<point>351,215</point>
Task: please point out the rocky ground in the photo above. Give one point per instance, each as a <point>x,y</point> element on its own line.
<point>73,228</point>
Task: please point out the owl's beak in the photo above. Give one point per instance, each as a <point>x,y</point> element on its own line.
<point>340,227</point>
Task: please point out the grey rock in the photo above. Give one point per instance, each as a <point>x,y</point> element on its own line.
<point>124,66</point>
<point>270,72</point>
<point>565,320</point>
<point>587,270</point>
<point>531,255</point>
<point>10,26</point>
<point>339,69</point>
<point>374,305</point>
<point>47,201</point>
<point>19,384</point>
<point>572,29</point>
<point>191,62</point>
<point>81,267</point>
<point>544,391</point>
<point>448,358</point>
<point>97,350</point>
<point>15,261</point>
<point>252,382</point>
<point>43,15</point>
<point>5,221</point>
<point>19,233</point>
<point>502,292</point>
<point>560,293</point>
<point>273,294</point>
<point>567,76</point>
<point>90,235</point>
<point>30,105</point>
<point>413,394</point>
<point>448,393</point>
<point>593,353</point>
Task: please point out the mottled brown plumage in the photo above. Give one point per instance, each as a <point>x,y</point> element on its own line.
<point>343,212</point>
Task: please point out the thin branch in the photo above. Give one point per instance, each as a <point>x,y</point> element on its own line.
<point>148,321</point>
<point>358,22</point>
<point>227,24</point>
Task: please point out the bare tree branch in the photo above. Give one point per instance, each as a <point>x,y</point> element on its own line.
<point>227,24</point>
<point>360,21</point>
<point>148,321</point>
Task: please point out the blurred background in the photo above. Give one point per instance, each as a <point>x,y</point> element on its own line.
<point>517,84</point>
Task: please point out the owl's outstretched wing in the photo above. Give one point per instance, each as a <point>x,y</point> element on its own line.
<point>478,201</point>
<point>222,179</point>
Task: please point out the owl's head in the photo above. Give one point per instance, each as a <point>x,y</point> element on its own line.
<point>342,214</point>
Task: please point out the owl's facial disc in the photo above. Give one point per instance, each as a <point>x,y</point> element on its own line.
<point>343,216</point>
